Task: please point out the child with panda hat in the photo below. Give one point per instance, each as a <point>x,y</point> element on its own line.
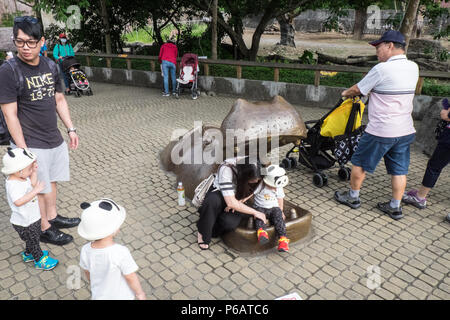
<point>108,266</point>
<point>268,199</point>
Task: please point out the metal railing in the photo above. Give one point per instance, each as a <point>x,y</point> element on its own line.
<point>275,66</point>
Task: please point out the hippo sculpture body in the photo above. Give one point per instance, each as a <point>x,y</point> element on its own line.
<point>196,154</point>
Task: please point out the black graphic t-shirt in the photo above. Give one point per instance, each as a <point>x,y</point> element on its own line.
<point>36,107</point>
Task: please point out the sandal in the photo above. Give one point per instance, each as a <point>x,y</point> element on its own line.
<point>200,243</point>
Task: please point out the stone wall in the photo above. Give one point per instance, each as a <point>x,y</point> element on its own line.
<point>6,43</point>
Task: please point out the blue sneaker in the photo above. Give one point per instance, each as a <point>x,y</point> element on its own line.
<point>46,263</point>
<point>29,257</point>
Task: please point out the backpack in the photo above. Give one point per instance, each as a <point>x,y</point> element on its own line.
<point>5,136</point>
<point>202,189</point>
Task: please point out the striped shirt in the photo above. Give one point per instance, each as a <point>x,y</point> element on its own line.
<point>392,85</point>
<point>225,179</point>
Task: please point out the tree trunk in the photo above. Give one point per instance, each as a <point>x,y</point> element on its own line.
<point>214,31</point>
<point>407,25</point>
<point>360,22</point>
<point>287,30</point>
<point>105,20</point>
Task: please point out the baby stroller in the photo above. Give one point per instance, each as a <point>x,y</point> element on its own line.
<point>337,132</point>
<point>188,75</point>
<point>78,82</point>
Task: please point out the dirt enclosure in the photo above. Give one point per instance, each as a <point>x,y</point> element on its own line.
<point>331,43</point>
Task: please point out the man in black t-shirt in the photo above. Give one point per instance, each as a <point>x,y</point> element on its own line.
<point>31,99</point>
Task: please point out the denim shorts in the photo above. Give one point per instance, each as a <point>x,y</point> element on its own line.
<point>395,152</point>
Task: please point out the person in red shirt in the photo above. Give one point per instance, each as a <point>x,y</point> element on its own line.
<point>168,58</point>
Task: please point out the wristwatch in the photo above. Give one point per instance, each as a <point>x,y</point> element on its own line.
<point>72,130</point>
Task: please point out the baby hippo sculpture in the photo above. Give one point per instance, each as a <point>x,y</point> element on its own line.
<point>249,128</point>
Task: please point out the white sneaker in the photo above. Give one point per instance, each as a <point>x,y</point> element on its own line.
<point>166,94</point>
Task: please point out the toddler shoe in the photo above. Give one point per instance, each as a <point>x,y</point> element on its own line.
<point>263,236</point>
<point>29,257</point>
<point>46,263</point>
<point>283,244</point>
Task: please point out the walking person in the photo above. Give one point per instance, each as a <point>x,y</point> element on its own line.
<point>60,51</point>
<point>438,161</point>
<point>32,100</point>
<point>390,130</point>
<point>168,58</point>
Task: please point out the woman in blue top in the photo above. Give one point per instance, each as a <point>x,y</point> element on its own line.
<point>61,50</point>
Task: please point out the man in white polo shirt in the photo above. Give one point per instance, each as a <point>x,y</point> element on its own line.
<point>390,130</point>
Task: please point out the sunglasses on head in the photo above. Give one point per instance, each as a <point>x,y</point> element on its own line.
<point>25,152</point>
<point>30,19</point>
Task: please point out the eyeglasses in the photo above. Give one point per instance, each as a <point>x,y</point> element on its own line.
<point>19,43</point>
<point>30,19</point>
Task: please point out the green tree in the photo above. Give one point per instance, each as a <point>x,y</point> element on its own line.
<point>231,14</point>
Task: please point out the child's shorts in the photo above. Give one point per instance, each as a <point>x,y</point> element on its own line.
<point>395,151</point>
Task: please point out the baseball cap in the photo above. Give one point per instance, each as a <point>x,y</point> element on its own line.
<point>390,36</point>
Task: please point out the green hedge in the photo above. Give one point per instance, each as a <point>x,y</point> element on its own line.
<point>431,87</point>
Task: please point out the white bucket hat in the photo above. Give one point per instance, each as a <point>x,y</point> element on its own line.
<point>17,159</point>
<point>276,176</point>
<point>100,219</point>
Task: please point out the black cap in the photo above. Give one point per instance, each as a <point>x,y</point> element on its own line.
<point>390,36</point>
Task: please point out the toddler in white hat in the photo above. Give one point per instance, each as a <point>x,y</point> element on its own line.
<point>22,188</point>
<point>108,266</point>
<point>269,197</point>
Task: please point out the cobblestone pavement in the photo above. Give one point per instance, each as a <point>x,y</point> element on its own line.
<point>122,129</point>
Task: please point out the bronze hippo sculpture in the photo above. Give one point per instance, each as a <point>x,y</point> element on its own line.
<point>197,153</point>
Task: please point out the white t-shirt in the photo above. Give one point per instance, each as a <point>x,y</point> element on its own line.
<point>266,197</point>
<point>107,267</point>
<point>393,84</point>
<point>26,214</point>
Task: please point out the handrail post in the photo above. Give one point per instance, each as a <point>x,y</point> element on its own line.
<point>88,61</point>
<point>419,86</point>
<point>276,74</point>
<point>206,69</point>
<point>239,72</point>
<point>108,62</point>
<point>317,78</point>
<point>129,64</point>
<point>152,65</point>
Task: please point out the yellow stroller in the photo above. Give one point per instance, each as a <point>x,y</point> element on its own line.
<point>337,132</point>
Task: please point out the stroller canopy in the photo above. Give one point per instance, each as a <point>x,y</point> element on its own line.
<point>69,62</point>
<point>189,59</point>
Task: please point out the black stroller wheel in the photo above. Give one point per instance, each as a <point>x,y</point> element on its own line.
<point>343,174</point>
<point>318,180</point>
<point>293,162</point>
<point>285,163</point>
<point>324,178</point>
<point>349,172</point>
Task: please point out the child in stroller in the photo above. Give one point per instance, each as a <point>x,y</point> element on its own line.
<point>188,75</point>
<point>78,82</point>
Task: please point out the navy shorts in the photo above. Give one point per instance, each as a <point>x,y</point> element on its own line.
<point>395,152</point>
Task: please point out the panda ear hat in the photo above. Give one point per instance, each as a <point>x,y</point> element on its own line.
<point>276,176</point>
<point>100,219</point>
